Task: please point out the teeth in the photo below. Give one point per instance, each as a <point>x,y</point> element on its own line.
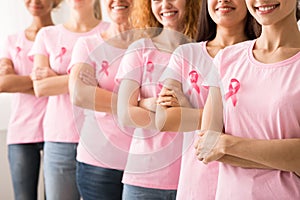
<point>168,14</point>
<point>224,9</point>
<point>119,7</point>
<point>266,8</point>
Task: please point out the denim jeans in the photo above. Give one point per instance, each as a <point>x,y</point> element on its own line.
<point>60,171</point>
<point>99,183</point>
<point>24,162</point>
<point>131,192</point>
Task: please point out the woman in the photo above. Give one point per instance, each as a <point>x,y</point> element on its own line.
<point>103,146</point>
<point>222,23</point>
<point>52,53</point>
<point>153,164</point>
<point>259,81</point>
<point>25,132</point>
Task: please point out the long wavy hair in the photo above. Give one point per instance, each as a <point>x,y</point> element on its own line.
<point>208,28</point>
<point>146,19</point>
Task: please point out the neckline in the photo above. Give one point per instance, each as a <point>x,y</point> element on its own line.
<point>270,65</point>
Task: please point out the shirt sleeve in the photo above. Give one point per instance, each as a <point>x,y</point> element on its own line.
<point>80,54</point>
<point>213,76</point>
<point>131,65</point>
<point>174,69</point>
<point>39,45</point>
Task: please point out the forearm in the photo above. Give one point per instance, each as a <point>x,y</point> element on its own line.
<point>239,162</point>
<point>94,98</point>
<point>12,83</point>
<point>281,154</point>
<point>178,119</point>
<point>51,86</point>
<point>140,118</point>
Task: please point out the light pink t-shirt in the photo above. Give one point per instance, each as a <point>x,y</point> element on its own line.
<point>27,111</point>
<point>56,42</point>
<point>102,142</point>
<point>262,103</point>
<point>191,65</point>
<point>154,159</point>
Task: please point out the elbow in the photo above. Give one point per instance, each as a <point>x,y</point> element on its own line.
<point>123,116</point>
<point>77,99</point>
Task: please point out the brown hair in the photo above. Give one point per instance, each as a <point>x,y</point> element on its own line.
<point>97,10</point>
<point>144,18</point>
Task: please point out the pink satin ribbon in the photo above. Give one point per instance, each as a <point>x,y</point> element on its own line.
<point>104,68</point>
<point>233,90</point>
<point>62,52</point>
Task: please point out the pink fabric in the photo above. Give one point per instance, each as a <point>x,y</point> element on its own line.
<point>57,43</point>
<point>267,107</point>
<point>192,65</point>
<point>27,111</point>
<point>102,142</point>
<point>155,157</point>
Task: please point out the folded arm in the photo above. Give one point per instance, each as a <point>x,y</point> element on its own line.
<point>85,93</point>
<point>129,112</point>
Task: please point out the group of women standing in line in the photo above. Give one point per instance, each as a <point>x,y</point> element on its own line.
<point>121,102</point>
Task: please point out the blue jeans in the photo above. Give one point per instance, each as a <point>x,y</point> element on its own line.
<point>24,162</point>
<point>131,192</point>
<point>99,183</point>
<point>60,171</point>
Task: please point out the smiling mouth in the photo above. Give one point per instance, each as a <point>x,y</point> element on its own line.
<point>266,8</point>
<point>168,14</point>
<point>119,7</point>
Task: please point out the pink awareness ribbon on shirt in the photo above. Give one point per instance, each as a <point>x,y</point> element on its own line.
<point>62,52</point>
<point>104,67</point>
<point>149,71</point>
<point>233,90</point>
<point>194,79</point>
<point>18,51</point>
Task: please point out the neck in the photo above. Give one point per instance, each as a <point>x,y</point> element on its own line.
<point>282,34</point>
<point>81,21</point>
<point>228,36</point>
<point>169,40</point>
<point>36,24</point>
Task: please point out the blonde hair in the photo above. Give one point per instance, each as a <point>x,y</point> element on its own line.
<point>144,18</point>
<point>97,10</point>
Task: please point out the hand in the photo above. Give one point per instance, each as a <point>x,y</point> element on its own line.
<point>6,69</point>
<point>167,98</point>
<point>88,78</point>
<point>209,146</point>
<point>40,73</point>
<point>148,104</point>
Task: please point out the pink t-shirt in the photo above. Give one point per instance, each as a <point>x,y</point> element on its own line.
<point>102,142</point>
<point>155,157</point>
<point>191,65</point>
<point>27,112</point>
<point>56,42</point>
<point>261,102</point>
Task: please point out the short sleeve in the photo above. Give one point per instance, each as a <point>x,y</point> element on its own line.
<point>175,66</point>
<point>213,77</point>
<point>132,64</point>
<point>80,54</point>
<point>39,45</point>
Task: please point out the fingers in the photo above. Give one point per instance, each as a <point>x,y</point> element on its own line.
<point>168,101</point>
<point>88,78</point>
